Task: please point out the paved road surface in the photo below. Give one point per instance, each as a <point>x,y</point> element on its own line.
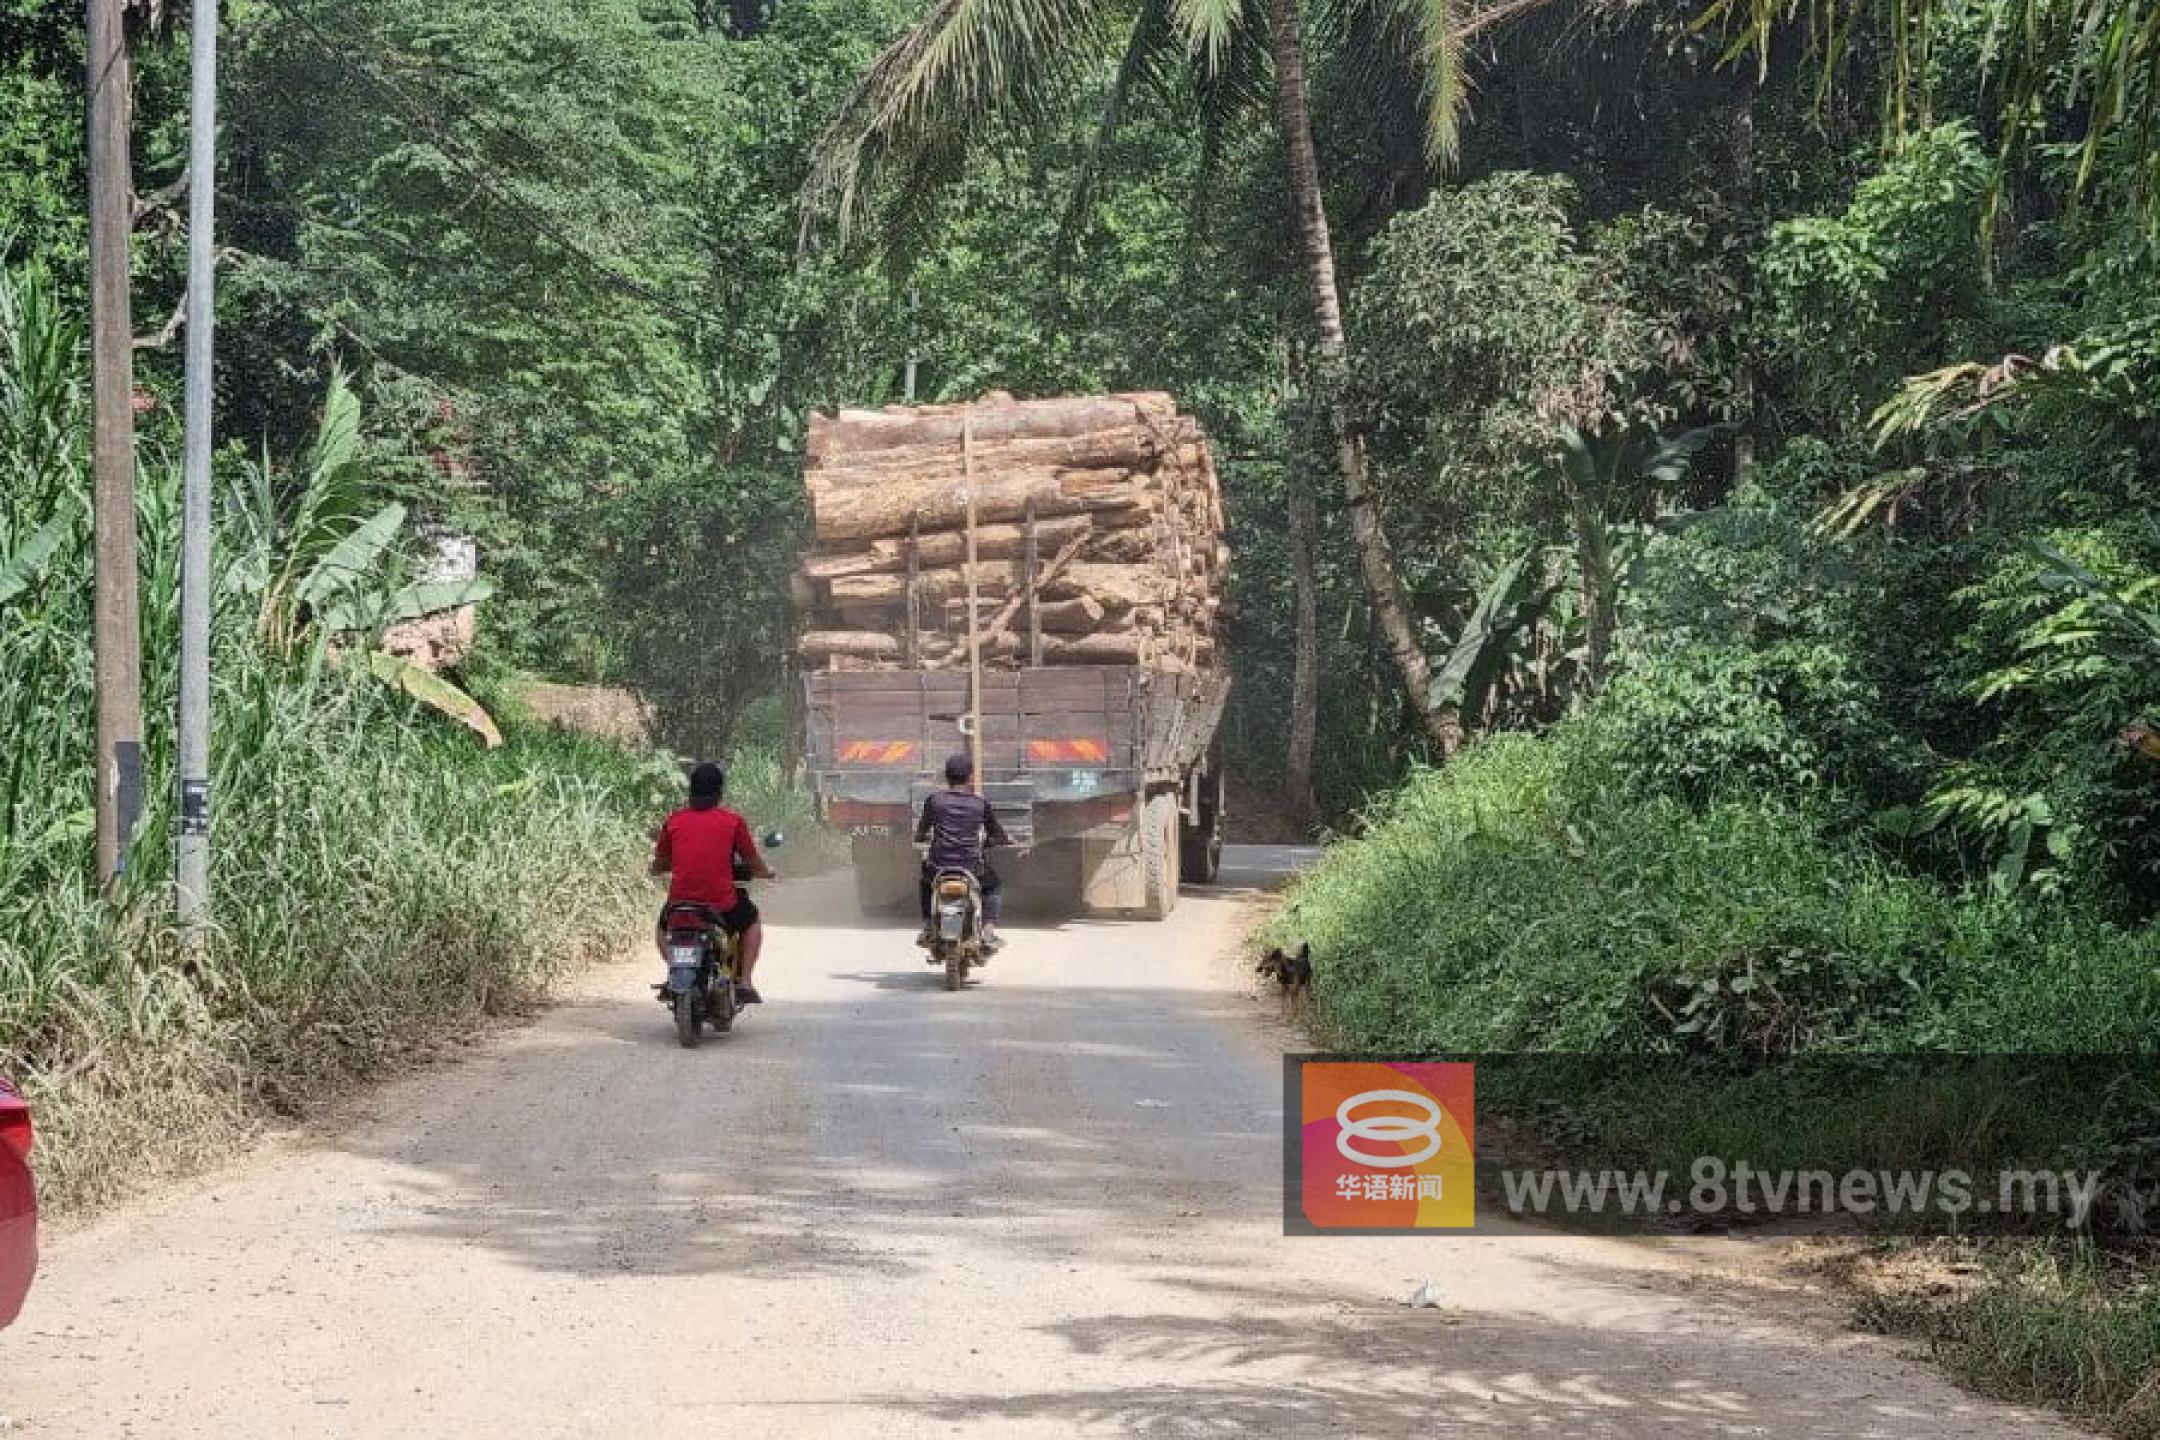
<point>882,1210</point>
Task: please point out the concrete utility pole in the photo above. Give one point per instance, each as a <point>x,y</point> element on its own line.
<point>192,869</point>
<point>116,619</point>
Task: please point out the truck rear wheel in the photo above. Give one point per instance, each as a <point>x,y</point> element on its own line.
<point>1200,837</point>
<point>1200,853</point>
<point>886,874</point>
<point>1159,856</point>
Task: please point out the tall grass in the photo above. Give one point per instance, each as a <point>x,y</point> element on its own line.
<point>378,874</point>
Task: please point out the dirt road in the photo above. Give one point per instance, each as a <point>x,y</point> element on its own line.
<point>1045,1207</point>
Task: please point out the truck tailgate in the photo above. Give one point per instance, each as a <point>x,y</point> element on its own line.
<point>904,723</point>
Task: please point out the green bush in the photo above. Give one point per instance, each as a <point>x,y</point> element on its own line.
<point>1788,719</point>
<point>1744,663</point>
<point>2061,653</point>
<point>1527,898</point>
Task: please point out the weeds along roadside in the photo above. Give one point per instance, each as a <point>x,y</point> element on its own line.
<point>375,886</point>
<point>380,876</point>
<point>1529,898</point>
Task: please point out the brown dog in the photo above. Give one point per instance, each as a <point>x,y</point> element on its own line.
<point>1293,973</point>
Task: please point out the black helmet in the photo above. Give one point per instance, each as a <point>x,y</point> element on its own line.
<point>706,783</point>
<point>959,770</point>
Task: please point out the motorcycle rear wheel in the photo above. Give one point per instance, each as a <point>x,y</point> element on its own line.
<point>956,967</point>
<point>689,1021</point>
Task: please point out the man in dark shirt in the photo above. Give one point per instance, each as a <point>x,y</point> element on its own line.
<point>960,826</point>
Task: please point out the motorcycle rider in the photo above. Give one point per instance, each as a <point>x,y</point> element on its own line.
<point>961,826</point>
<point>696,848</point>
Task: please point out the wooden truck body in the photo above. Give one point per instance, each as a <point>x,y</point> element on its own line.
<point>1067,556</point>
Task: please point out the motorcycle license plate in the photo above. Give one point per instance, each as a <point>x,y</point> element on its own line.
<point>683,955</point>
<point>951,922</point>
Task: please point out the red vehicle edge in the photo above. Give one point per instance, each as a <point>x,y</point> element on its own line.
<point>18,1203</point>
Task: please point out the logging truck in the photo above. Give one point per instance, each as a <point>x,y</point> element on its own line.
<point>1035,583</point>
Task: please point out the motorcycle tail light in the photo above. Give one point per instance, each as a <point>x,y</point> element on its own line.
<point>953,889</point>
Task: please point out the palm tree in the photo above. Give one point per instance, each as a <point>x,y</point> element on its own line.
<point>908,125</point>
<point>2090,60</point>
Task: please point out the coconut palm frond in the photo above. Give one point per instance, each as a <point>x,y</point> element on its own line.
<point>1143,61</point>
<point>963,65</point>
<point>1432,40</point>
<point>1241,86</point>
<point>1209,29</point>
<point>2093,59</point>
<point>1244,77</point>
<point>1420,43</point>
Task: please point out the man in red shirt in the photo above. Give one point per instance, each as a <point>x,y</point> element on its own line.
<point>696,849</point>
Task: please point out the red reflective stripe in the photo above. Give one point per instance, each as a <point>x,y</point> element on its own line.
<point>877,752</point>
<point>1055,750</point>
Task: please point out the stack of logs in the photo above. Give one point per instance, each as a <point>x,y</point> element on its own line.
<point>1097,526</point>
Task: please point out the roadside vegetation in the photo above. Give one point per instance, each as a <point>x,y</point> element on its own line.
<point>1741,851</point>
<point>2079,1331</point>
<point>1735,629</point>
<point>384,875</point>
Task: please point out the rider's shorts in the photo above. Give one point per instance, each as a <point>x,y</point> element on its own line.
<point>735,920</point>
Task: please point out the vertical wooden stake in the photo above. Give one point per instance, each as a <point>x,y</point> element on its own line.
<point>974,622</point>
<point>914,595</point>
<point>1034,561</point>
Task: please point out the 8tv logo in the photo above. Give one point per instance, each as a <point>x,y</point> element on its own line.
<point>1386,1146</point>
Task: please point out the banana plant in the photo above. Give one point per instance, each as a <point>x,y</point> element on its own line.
<point>321,566</point>
<point>22,566</point>
<point>1513,602</point>
<point>1596,471</point>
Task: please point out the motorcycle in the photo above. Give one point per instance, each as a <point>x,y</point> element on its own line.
<point>956,925</point>
<point>704,964</point>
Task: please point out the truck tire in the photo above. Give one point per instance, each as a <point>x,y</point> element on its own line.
<point>1199,853</point>
<point>1159,856</point>
<point>1200,836</point>
<point>886,875</point>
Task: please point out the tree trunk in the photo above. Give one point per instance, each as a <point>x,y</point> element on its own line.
<point>1383,583</point>
<point>747,17</point>
<point>792,717</point>
<point>1743,367</point>
<point>1305,676</point>
<point>1593,560</point>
